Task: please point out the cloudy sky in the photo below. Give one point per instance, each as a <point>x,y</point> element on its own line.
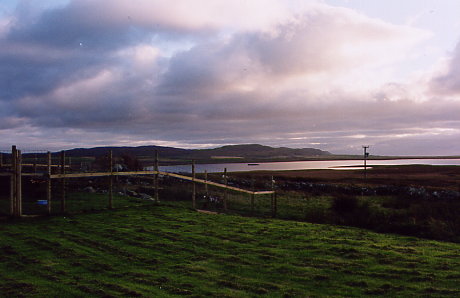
<point>330,74</point>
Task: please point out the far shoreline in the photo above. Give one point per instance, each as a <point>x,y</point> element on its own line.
<point>312,158</point>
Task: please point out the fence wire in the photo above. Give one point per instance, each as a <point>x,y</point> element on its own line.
<point>74,195</point>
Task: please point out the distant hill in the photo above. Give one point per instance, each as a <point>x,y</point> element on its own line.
<point>248,152</point>
<point>259,151</point>
<point>136,151</point>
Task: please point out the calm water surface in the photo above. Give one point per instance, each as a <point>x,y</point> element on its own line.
<point>302,165</point>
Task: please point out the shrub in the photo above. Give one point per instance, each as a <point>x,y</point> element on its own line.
<point>343,204</point>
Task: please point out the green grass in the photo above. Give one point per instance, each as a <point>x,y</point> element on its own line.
<point>167,251</point>
<point>76,202</point>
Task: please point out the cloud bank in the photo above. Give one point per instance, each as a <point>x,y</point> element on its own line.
<point>208,73</point>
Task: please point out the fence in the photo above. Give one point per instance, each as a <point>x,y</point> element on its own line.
<point>45,183</point>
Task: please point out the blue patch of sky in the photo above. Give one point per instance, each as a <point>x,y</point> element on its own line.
<point>8,7</point>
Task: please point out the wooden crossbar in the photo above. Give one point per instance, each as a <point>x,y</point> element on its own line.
<point>22,174</point>
<point>15,172</point>
<point>100,174</point>
<point>38,165</point>
<point>182,177</point>
<point>216,184</point>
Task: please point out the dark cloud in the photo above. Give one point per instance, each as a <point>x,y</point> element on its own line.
<point>97,73</point>
<point>23,73</point>
<point>448,83</point>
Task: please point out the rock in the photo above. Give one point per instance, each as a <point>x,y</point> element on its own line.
<point>131,193</point>
<point>145,196</point>
<point>89,189</point>
<point>118,167</point>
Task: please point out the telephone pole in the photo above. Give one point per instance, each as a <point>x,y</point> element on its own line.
<point>366,154</point>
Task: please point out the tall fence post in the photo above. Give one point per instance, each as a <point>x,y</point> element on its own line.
<point>18,186</point>
<point>48,184</point>
<point>206,189</point>
<point>155,181</point>
<point>111,179</point>
<point>194,185</point>
<point>252,195</point>
<point>16,183</point>
<point>225,189</point>
<point>273,197</point>
<point>63,209</point>
<point>13,184</point>
<point>19,181</point>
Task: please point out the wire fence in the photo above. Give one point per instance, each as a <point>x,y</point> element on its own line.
<point>55,184</point>
<point>89,194</point>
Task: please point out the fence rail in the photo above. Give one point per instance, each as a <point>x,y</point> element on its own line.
<point>14,170</point>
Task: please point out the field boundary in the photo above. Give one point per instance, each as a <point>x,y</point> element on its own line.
<point>15,171</point>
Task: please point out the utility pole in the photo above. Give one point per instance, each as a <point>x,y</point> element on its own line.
<point>366,154</point>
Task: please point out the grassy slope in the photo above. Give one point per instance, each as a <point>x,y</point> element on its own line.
<point>163,251</point>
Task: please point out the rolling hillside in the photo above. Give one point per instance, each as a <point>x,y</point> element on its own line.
<point>164,251</point>
<point>253,152</point>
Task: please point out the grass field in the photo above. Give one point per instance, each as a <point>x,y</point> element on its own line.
<point>167,251</point>
<point>440,177</point>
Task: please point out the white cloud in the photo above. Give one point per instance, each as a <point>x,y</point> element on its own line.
<point>216,73</point>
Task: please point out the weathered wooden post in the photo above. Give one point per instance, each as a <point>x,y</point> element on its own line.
<point>111,179</point>
<point>156,177</point>
<point>273,197</point>
<point>34,164</point>
<point>225,189</point>
<point>63,209</point>
<point>18,183</point>
<point>194,186</point>
<point>252,195</point>
<point>13,184</point>
<point>206,189</point>
<point>48,185</point>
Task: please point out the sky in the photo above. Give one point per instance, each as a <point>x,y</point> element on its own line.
<point>332,74</point>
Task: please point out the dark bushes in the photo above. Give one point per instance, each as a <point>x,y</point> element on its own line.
<point>344,204</point>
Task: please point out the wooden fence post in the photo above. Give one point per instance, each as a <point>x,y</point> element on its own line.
<point>111,179</point>
<point>13,184</point>
<point>18,183</point>
<point>273,203</point>
<point>252,195</point>
<point>48,184</point>
<point>194,186</point>
<point>34,164</point>
<point>155,181</point>
<point>206,190</point>
<point>63,209</point>
<point>225,189</point>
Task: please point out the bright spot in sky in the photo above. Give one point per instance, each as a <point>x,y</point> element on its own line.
<point>333,74</point>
